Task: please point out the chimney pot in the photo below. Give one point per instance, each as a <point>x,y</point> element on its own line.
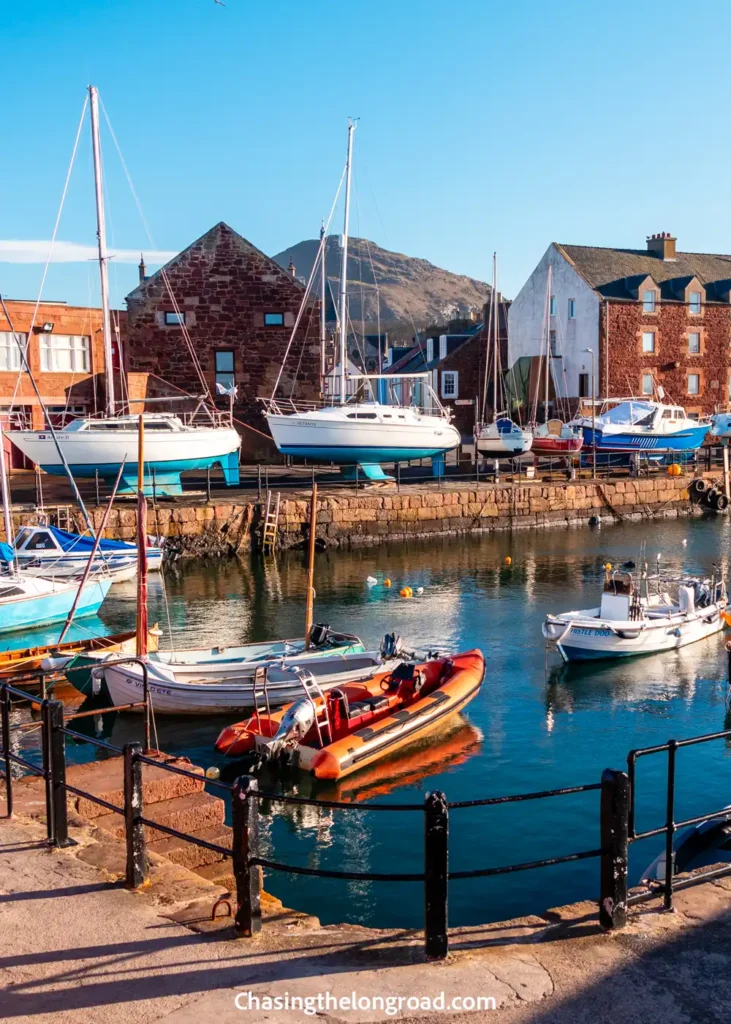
<point>662,244</point>
<point>142,268</point>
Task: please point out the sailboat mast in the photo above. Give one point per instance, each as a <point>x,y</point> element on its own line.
<point>323,295</point>
<point>5,494</point>
<point>548,343</point>
<point>344,267</point>
<point>101,233</point>
<point>494,336</point>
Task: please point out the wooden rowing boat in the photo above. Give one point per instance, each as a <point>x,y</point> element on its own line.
<point>55,657</point>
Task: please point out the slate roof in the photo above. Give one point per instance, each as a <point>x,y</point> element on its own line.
<point>209,240</point>
<point>613,273</point>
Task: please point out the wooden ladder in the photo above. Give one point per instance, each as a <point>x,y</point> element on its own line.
<point>271,524</point>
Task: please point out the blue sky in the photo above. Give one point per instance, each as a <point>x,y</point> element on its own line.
<point>483,126</point>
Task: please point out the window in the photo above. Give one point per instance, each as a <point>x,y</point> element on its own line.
<point>648,341</point>
<point>274,319</point>
<point>553,344</point>
<point>225,368</point>
<point>9,351</point>
<point>583,385</point>
<point>450,384</point>
<point>60,415</point>
<point>442,346</point>
<point>553,305</point>
<point>429,349</point>
<point>174,319</point>
<point>64,353</point>
<point>694,383</point>
<point>648,302</point>
<point>694,343</point>
<point>648,384</point>
<point>695,302</point>
<point>572,309</point>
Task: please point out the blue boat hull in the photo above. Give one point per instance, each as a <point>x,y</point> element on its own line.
<point>159,477</point>
<point>30,612</point>
<point>683,441</point>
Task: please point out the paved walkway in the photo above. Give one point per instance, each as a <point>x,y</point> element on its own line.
<point>75,947</point>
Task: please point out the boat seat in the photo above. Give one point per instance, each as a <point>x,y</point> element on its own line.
<point>362,707</point>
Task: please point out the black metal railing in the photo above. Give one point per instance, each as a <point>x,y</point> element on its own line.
<point>669,885</point>
<point>616,816</point>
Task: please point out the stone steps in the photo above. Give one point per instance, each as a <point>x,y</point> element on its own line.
<point>105,779</point>
<point>188,813</point>
<point>179,851</point>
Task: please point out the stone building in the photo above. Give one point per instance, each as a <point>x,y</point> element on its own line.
<point>455,357</point>
<point>66,358</point>
<point>652,316</point>
<point>236,309</point>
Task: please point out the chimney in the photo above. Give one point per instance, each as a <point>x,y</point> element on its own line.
<point>292,269</point>
<point>662,245</point>
<point>142,268</point>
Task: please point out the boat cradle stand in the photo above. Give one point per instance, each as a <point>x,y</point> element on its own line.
<point>374,471</point>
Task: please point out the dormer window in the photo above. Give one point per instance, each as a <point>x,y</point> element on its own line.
<point>695,302</point>
<point>648,301</point>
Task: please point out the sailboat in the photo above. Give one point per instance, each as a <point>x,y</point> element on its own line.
<point>26,602</point>
<point>91,445</point>
<point>364,433</point>
<point>500,436</point>
<point>553,436</point>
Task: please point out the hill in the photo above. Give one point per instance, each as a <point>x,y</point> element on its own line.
<point>408,290</point>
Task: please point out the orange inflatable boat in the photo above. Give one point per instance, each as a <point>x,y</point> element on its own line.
<point>354,725</point>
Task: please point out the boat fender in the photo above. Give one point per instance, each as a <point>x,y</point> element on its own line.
<point>371,581</point>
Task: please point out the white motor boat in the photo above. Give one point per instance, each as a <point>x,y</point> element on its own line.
<point>503,439</point>
<point>646,426</point>
<point>50,551</point>
<point>627,623</point>
<point>721,425</point>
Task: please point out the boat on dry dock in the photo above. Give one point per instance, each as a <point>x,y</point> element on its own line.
<point>332,735</point>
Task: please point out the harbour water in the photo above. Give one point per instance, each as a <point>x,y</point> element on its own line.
<point>536,724</point>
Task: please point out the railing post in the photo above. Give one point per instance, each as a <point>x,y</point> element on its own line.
<point>208,483</point>
<point>46,755</point>
<point>134,829</point>
<point>436,867</point>
<point>245,847</point>
<point>57,749</point>
<point>614,827</point>
<point>670,825</point>
<point>5,719</point>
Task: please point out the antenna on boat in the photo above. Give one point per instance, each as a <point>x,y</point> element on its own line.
<point>101,234</point>
<point>323,292</point>
<point>344,266</point>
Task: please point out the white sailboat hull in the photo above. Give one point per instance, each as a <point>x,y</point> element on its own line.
<point>344,435</point>
<point>503,443</point>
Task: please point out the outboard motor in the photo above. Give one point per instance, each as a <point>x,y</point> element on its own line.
<point>319,634</point>
<point>391,647</point>
<point>296,723</point>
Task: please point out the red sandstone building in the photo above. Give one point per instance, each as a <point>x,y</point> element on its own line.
<point>66,356</point>
<point>236,308</point>
<point>647,317</point>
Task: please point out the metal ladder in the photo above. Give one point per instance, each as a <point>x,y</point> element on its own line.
<point>259,693</point>
<point>271,524</point>
<point>313,691</point>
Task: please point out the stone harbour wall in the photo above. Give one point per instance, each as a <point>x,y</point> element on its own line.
<point>373,515</point>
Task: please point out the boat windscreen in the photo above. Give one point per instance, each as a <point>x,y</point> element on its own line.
<point>630,414</point>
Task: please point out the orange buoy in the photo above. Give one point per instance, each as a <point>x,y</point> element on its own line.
<point>406,592</point>
<point>387,582</point>
<point>675,470</point>
<point>508,560</point>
